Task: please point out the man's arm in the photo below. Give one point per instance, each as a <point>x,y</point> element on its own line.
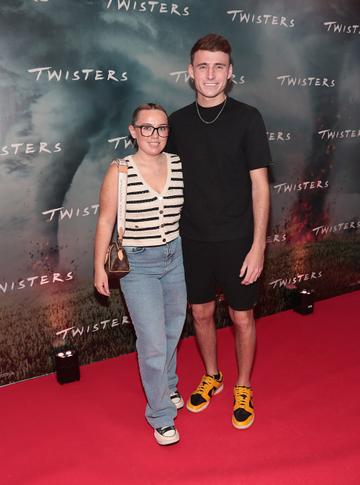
<point>254,260</point>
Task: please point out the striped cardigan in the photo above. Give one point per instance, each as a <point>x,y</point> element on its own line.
<point>152,218</point>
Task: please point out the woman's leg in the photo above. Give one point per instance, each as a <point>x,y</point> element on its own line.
<point>143,293</point>
<point>175,303</point>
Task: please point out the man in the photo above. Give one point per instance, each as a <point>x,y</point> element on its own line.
<point>224,151</point>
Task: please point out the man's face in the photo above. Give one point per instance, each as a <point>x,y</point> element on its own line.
<point>210,72</point>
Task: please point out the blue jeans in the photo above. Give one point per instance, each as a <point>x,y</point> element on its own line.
<point>155,295</point>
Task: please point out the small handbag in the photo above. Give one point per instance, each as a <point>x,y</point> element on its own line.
<point>116,260</point>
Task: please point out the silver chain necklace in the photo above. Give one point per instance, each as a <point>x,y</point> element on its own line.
<point>216,117</point>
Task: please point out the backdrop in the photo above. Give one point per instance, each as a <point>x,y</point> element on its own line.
<point>71,73</point>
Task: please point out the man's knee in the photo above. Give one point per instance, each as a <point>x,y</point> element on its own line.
<point>242,319</point>
<point>203,312</point>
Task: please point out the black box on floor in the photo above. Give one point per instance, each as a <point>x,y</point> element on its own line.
<point>304,302</point>
<point>67,366</point>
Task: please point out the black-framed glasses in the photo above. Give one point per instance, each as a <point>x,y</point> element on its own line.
<point>148,130</point>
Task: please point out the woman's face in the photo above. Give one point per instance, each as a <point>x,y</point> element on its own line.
<point>150,141</point>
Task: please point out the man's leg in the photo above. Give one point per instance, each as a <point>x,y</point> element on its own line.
<point>245,342</point>
<point>204,324</point>
<point>212,382</point>
<point>241,299</point>
<point>201,287</point>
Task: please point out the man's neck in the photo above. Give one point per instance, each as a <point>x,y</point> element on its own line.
<point>205,102</point>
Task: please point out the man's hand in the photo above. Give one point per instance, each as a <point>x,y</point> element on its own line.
<point>252,266</point>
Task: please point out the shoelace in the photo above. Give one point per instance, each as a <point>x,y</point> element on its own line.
<point>166,429</point>
<point>241,395</point>
<point>205,384</point>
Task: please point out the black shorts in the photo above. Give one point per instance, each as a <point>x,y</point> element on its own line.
<point>215,265</point>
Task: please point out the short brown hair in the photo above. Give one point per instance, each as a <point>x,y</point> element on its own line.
<point>213,43</point>
<point>146,106</point>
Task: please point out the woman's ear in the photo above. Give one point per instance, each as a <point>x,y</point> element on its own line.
<point>132,132</point>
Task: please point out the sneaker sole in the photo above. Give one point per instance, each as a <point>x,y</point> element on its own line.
<point>166,441</point>
<point>192,410</point>
<point>180,404</point>
<point>234,423</point>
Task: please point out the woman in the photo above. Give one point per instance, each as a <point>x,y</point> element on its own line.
<point>154,289</point>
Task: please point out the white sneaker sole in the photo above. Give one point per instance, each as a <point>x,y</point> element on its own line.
<point>179,404</point>
<point>205,405</point>
<point>166,440</point>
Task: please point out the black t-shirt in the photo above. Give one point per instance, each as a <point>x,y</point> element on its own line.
<point>216,160</point>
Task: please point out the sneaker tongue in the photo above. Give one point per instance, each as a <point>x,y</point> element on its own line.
<point>168,431</point>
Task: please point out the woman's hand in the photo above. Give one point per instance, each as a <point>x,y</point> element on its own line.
<point>101,282</point>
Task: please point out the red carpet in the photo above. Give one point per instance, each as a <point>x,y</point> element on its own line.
<point>306,431</point>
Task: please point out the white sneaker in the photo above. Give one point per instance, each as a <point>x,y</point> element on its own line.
<point>177,399</point>
<point>167,435</point>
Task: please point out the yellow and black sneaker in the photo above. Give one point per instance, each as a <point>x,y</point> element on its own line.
<point>243,414</point>
<point>208,387</point>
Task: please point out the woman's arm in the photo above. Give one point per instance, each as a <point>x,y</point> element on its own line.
<point>104,228</point>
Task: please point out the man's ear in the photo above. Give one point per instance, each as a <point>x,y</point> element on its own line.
<point>230,73</point>
<point>191,71</point>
